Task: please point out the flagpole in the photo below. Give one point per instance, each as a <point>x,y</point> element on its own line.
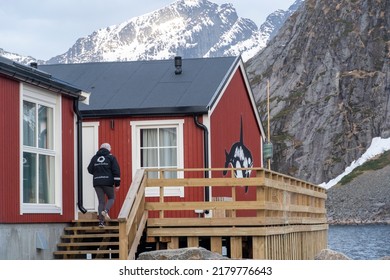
<point>269,126</point>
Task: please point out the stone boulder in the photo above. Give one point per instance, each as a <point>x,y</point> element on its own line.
<point>328,254</point>
<point>192,253</point>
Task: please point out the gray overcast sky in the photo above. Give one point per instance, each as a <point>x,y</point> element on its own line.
<point>46,28</point>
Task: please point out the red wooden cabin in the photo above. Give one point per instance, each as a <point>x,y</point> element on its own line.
<point>182,113</point>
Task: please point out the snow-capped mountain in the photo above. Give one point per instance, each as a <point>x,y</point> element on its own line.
<point>274,21</point>
<point>18,58</point>
<point>190,28</point>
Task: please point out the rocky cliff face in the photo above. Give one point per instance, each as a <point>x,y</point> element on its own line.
<point>329,76</point>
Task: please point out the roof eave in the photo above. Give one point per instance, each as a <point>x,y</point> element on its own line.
<point>39,78</point>
<point>224,82</point>
<point>156,111</point>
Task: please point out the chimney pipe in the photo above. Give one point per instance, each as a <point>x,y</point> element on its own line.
<point>178,64</point>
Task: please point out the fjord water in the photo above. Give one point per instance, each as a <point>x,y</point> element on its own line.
<point>360,242</point>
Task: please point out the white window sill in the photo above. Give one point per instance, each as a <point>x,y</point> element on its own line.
<point>40,209</point>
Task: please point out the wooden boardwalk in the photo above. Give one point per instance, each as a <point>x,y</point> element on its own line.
<point>287,221</point>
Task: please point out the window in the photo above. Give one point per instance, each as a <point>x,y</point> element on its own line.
<point>159,148</point>
<point>40,160</point>
<point>159,145</point>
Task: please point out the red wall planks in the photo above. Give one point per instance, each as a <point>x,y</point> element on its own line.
<point>119,136</point>
<point>9,149</point>
<point>226,123</point>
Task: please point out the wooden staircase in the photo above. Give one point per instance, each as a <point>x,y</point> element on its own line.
<point>84,239</point>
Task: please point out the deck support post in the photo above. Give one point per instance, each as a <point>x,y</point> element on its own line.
<point>216,244</point>
<point>259,247</point>
<point>174,243</point>
<point>236,247</point>
<point>192,241</point>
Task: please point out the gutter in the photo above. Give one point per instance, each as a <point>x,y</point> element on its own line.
<point>205,156</point>
<point>79,157</point>
<point>153,111</point>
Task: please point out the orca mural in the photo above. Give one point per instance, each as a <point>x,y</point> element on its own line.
<point>239,157</point>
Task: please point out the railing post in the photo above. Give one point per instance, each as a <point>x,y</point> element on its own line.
<point>161,213</point>
<point>123,241</point>
<point>129,217</point>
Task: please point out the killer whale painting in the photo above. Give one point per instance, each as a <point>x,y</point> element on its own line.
<point>239,156</point>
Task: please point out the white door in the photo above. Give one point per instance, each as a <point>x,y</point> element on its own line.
<point>90,147</point>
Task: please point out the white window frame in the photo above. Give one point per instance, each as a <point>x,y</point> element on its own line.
<point>52,100</point>
<point>136,127</point>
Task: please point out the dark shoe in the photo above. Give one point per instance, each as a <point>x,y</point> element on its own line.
<point>101,224</point>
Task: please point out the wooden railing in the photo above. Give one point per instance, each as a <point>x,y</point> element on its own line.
<point>132,217</point>
<point>286,219</point>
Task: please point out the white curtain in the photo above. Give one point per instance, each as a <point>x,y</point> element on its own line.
<point>159,149</point>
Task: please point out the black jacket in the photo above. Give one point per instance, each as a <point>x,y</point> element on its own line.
<point>105,169</point>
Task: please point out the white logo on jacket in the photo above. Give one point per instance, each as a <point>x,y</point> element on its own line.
<point>101,159</point>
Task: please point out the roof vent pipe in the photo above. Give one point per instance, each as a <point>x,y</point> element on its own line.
<point>178,64</point>
<point>34,65</point>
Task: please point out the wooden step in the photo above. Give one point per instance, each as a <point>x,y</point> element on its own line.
<point>91,228</point>
<point>93,235</point>
<point>86,221</point>
<point>84,252</point>
<point>88,244</point>
<point>84,239</point>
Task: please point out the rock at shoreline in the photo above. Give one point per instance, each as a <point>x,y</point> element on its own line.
<point>199,253</point>
<point>192,253</point>
<point>328,254</point>
<point>364,200</point>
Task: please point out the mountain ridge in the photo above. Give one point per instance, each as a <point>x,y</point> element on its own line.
<point>185,28</point>
<point>111,43</point>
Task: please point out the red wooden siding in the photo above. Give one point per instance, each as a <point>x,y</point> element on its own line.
<point>225,130</point>
<point>10,161</point>
<point>119,136</point>
<point>68,161</point>
<point>10,152</point>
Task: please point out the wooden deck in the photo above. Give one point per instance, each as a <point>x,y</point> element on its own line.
<point>289,220</point>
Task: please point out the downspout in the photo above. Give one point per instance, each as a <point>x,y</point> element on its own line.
<point>206,154</point>
<point>79,158</point>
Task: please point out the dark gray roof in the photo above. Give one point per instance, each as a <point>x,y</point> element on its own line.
<point>36,77</point>
<point>147,87</point>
